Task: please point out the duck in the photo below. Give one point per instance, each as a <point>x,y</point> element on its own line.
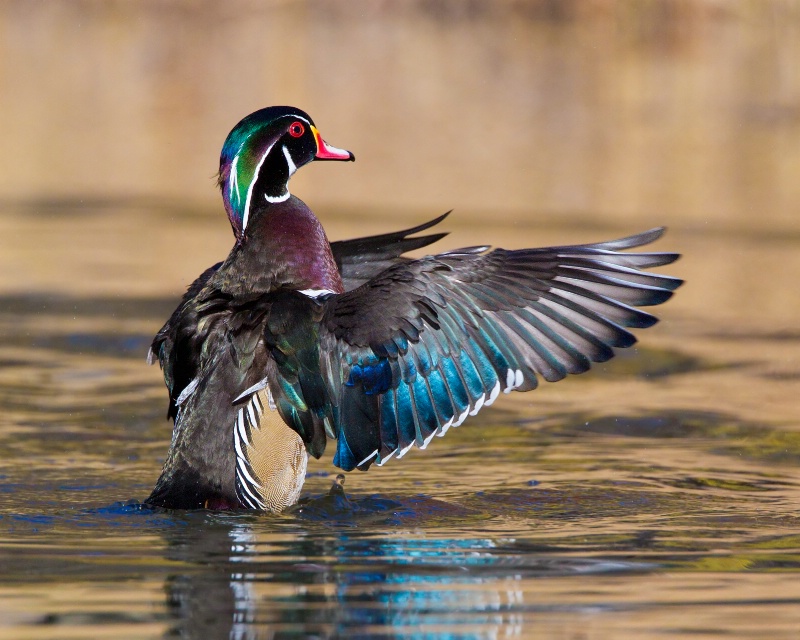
<point>294,341</point>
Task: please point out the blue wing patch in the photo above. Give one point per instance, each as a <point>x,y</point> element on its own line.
<point>375,378</point>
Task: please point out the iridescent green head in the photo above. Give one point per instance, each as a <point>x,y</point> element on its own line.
<point>261,153</point>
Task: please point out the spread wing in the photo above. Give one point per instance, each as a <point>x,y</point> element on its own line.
<point>426,343</point>
<point>363,258</point>
<point>178,344</point>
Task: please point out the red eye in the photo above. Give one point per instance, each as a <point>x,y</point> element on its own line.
<point>297,129</point>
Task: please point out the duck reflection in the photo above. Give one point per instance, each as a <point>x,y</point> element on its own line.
<point>248,577</point>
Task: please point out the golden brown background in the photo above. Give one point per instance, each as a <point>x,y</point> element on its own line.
<point>524,116</point>
<point>687,112</point>
<point>656,497</point>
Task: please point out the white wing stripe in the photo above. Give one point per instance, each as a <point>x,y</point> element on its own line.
<point>405,449</point>
<point>187,391</point>
<point>427,440</point>
<point>368,458</point>
<point>258,386</point>
<point>461,418</point>
<point>478,405</point>
<point>513,379</point>
<point>443,429</point>
<point>386,459</point>
<point>315,293</point>
<point>243,470</point>
<point>246,499</point>
<point>493,395</point>
<point>509,381</point>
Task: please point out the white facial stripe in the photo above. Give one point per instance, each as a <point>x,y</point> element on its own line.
<point>289,161</point>
<point>233,181</point>
<point>292,168</point>
<point>252,184</point>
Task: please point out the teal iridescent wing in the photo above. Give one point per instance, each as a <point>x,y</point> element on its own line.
<point>423,345</point>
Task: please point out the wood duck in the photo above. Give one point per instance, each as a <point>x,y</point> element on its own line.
<point>293,340</point>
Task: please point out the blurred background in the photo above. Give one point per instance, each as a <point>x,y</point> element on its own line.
<point>591,113</point>
<point>671,472</point>
<point>686,111</point>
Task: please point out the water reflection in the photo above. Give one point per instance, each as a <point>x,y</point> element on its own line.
<point>658,492</point>
<point>246,582</point>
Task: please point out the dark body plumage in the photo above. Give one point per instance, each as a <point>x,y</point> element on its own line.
<point>352,341</point>
<point>220,327</point>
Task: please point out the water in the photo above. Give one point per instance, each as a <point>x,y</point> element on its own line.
<point>656,497</point>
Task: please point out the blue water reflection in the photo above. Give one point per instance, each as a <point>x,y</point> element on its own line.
<point>255,577</point>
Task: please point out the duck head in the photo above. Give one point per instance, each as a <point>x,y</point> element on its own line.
<point>261,153</point>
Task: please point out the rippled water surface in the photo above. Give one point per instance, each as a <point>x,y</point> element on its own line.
<point>655,497</point>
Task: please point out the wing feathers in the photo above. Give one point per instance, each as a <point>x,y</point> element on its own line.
<point>629,242</point>
<point>428,342</point>
<point>364,258</point>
